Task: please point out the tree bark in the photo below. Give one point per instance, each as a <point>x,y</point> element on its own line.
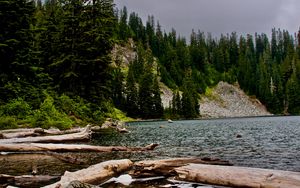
<point>238,176</point>
<point>36,147</point>
<point>95,174</point>
<point>84,135</point>
<point>166,167</point>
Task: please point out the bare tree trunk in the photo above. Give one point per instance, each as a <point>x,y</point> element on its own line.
<point>36,147</point>
<point>95,174</point>
<point>238,176</point>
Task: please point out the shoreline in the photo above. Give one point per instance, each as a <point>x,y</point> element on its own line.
<point>212,118</point>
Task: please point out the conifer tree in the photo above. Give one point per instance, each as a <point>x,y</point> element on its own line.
<point>131,92</point>
<point>15,47</point>
<point>157,103</point>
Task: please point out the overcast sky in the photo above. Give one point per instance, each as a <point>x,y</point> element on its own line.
<point>219,16</point>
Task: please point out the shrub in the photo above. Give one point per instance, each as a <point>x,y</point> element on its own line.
<point>17,108</point>
<point>48,116</point>
<point>118,115</point>
<point>8,122</point>
<point>76,107</point>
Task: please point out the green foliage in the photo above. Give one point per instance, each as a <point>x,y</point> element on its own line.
<point>17,108</point>
<point>78,108</point>
<point>48,116</point>
<point>118,115</point>
<point>7,122</point>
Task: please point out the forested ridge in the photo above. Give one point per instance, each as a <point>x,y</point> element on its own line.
<point>56,65</point>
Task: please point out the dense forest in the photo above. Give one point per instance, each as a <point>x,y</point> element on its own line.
<point>56,65</point>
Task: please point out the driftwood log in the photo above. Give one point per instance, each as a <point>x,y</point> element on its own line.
<point>84,135</point>
<point>26,180</point>
<point>36,147</point>
<point>238,176</point>
<point>95,174</point>
<point>33,132</point>
<point>166,167</point>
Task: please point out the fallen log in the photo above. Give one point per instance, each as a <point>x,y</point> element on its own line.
<point>238,176</point>
<point>95,174</point>
<point>26,180</point>
<point>166,167</point>
<point>84,135</point>
<point>66,158</point>
<point>20,133</point>
<point>36,147</point>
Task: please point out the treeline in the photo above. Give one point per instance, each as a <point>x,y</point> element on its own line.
<point>56,70</point>
<point>55,58</point>
<point>266,68</point>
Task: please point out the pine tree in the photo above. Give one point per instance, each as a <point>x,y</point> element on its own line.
<point>15,47</point>
<point>131,92</point>
<point>158,109</point>
<point>292,92</point>
<point>81,67</point>
<point>146,95</point>
<point>117,88</point>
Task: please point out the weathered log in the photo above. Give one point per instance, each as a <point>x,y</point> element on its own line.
<point>238,176</point>
<point>166,167</point>
<point>19,130</point>
<point>26,180</point>
<point>95,174</point>
<point>66,158</point>
<point>81,136</point>
<point>19,133</point>
<point>34,132</point>
<point>36,147</point>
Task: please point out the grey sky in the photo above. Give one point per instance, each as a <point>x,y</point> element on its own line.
<point>219,16</point>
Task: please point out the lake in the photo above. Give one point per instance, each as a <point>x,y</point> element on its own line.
<point>265,142</point>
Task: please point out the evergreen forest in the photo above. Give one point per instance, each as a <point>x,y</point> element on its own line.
<point>56,67</point>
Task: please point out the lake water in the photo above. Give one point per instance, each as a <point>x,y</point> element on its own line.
<point>265,142</point>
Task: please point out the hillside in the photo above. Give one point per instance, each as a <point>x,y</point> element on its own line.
<point>223,100</point>
<point>227,100</point>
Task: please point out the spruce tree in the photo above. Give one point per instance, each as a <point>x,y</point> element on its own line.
<point>157,103</point>
<point>131,104</point>
<point>16,39</point>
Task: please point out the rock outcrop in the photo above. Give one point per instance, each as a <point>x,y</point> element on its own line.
<point>226,100</point>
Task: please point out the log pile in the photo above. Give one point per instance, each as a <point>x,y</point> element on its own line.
<point>84,135</point>
<point>52,143</point>
<point>186,169</point>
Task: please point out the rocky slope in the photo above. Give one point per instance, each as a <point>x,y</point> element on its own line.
<point>227,100</point>
<point>224,100</point>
